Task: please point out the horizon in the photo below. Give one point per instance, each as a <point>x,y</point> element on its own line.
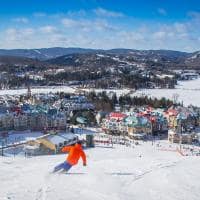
<point>97,24</point>
<point>96,49</point>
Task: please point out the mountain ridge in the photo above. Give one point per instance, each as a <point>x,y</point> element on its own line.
<point>101,58</point>
<point>53,52</point>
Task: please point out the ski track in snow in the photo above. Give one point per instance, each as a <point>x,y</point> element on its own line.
<point>111,174</point>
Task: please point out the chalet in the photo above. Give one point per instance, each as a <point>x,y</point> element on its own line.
<point>184,138</point>
<point>138,126</point>
<point>189,76</point>
<point>181,117</point>
<point>183,122</point>
<point>20,122</point>
<point>114,123</point>
<point>52,143</point>
<point>6,121</point>
<point>159,122</point>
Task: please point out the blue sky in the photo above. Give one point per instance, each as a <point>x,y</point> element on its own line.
<point>137,24</point>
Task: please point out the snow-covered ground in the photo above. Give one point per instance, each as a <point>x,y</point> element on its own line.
<point>188,92</point>
<point>21,136</point>
<point>37,90</point>
<point>127,173</point>
<point>119,92</point>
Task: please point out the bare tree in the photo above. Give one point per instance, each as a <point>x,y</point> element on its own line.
<point>175,97</point>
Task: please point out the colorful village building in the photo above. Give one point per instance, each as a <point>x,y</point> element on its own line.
<point>159,123</point>
<point>52,143</point>
<point>178,122</point>
<point>182,123</point>
<point>114,123</point>
<point>138,127</point>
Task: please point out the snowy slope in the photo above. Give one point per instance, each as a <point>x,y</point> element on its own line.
<point>112,173</point>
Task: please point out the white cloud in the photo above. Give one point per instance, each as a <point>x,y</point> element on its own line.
<point>194,14</point>
<point>101,12</point>
<point>180,27</point>
<point>39,14</point>
<point>173,31</point>
<point>103,25</point>
<point>17,38</point>
<point>11,33</point>
<point>133,36</point>
<point>21,20</point>
<point>162,11</point>
<point>70,29</point>
<point>48,29</point>
<point>69,22</point>
<point>80,13</point>
<point>88,25</point>
<point>19,34</point>
<point>27,31</point>
<point>160,35</point>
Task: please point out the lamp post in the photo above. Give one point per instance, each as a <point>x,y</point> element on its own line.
<point>2,144</point>
<point>152,133</point>
<point>181,126</point>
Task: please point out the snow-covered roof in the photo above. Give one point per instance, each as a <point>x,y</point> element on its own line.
<point>117,115</point>
<point>60,138</point>
<point>82,131</point>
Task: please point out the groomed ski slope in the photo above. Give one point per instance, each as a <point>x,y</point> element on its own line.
<point>119,173</point>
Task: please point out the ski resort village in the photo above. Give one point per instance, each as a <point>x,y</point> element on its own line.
<point>100,100</point>
<point>137,146</point>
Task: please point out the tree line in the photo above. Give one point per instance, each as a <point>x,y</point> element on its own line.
<point>106,102</point>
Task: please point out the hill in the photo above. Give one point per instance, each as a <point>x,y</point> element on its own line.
<point>111,173</point>
<point>44,53</point>
<point>102,58</point>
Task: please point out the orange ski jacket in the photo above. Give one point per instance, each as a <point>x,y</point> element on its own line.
<point>75,152</point>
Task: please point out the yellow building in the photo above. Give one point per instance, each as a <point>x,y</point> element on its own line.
<point>52,143</point>
<point>185,138</point>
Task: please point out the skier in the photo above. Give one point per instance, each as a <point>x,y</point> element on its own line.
<point>75,152</point>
